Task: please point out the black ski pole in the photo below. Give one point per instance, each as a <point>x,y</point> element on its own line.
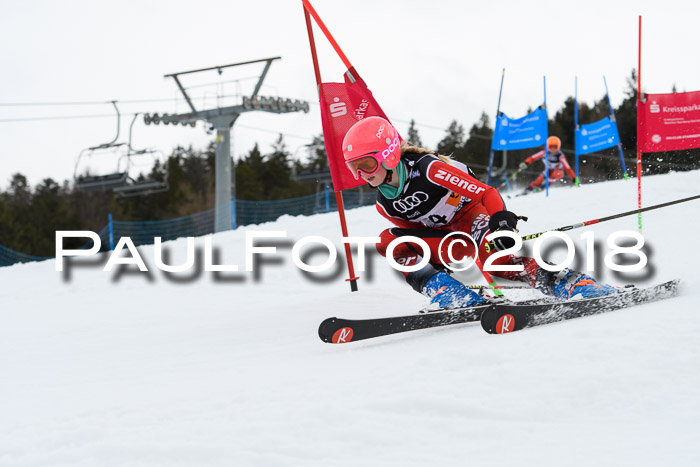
<point>490,246</point>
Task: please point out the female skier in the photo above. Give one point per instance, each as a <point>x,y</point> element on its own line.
<point>557,164</point>
<point>429,196</point>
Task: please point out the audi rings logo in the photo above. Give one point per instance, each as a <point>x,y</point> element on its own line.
<point>409,202</point>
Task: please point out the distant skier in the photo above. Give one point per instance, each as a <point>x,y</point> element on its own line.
<point>429,196</point>
<point>557,164</point>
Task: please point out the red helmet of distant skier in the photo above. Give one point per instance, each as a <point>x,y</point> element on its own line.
<point>553,143</point>
<point>370,142</point>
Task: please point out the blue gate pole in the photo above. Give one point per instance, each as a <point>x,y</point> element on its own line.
<point>619,143</point>
<point>111,232</point>
<point>328,203</point>
<point>576,127</point>
<point>622,159</point>
<point>546,149</point>
<point>498,111</point>
<point>488,177</point>
<point>233,213</point>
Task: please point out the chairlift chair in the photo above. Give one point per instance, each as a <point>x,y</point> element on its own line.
<point>88,182</point>
<point>121,181</point>
<point>134,187</point>
<point>101,182</point>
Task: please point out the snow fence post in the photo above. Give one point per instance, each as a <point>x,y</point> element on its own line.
<point>111,232</point>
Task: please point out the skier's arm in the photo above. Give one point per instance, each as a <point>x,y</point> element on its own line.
<point>455,180</point>
<point>567,167</point>
<point>535,157</point>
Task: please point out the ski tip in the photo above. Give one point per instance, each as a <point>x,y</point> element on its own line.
<point>325,329</point>
<point>495,322</point>
<point>332,331</point>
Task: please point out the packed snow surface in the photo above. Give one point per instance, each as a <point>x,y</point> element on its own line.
<point>204,368</point>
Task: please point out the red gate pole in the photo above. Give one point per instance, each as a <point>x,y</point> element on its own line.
<point>639,101</point>
<point>338,194</point>
<point>310,10</point>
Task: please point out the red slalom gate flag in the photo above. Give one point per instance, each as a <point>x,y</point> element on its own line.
<point>342,105</point>
<point>669,122</point>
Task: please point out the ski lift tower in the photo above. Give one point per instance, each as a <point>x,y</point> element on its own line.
<point>222,119</point>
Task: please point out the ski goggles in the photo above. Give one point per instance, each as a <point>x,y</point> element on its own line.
<point>367,164</point>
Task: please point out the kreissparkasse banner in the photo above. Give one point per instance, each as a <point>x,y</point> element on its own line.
<point>669,122</point>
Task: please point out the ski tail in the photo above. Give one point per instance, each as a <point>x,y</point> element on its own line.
<point>506,318</point>
<point>340,331</point>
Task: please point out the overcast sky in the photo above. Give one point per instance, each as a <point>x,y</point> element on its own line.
<point>429,61</point>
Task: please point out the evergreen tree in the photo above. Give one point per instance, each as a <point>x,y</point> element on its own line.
<point>563,123</point>
<point>16,229</point>
<point>626,116</point>
<point>413,137</point>
<point>50,213</point>
<point>248,170</point>
<point>277,171</point>
<point>453,142</point>
<point>20,191</point>
<point>316,152</point>
<point>478,146</point>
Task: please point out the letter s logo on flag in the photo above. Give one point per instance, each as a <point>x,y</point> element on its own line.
<point>339,108</point>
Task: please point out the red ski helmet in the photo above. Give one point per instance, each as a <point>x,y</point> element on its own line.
<point>553,143</point>
<point>370,142</point>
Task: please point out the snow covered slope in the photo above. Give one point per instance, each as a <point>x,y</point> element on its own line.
<point>226,369</point>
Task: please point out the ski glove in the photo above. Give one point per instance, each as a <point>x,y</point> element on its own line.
<point>504,220</point>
